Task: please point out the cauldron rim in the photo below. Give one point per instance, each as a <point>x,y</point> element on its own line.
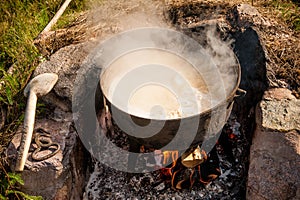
<point>228,99</point>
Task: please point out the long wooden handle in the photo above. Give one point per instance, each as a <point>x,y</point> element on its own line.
<point>27,131</point>
<point>56,16</point>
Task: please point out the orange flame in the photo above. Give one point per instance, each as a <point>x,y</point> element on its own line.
<point>174,155</point>
<point>169,156</point>
<point>175,173</point>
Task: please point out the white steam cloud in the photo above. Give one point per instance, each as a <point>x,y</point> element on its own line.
<point>116,16</point>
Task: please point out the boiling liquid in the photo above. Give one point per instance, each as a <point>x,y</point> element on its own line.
<point>182,93</point>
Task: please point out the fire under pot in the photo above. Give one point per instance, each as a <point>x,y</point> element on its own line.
<point>168,101</point>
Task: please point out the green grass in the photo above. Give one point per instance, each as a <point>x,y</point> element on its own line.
<point>9,187</point>
<point>290,12</point>
<point>21,21</point>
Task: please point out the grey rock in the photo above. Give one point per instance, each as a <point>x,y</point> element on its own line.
<point>248,27</point>
<point>62,176</point>
<point>257,67</point>
<point>65,62</point>
<point>246,16</point>
<point>251,55</point>
<point>274,170</point>
<point>281,115</point>
<point>278,94</point>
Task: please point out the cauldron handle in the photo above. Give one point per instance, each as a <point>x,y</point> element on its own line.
<point>240,93</point>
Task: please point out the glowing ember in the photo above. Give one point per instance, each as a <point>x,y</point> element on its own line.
<point>232,136</point>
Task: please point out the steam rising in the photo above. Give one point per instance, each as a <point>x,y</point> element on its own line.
<point>214,64</point>
<point>116,16</point>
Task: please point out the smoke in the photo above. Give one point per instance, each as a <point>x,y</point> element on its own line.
<point>224,58</point>
<point>116,16</point>
<point>214,62</point>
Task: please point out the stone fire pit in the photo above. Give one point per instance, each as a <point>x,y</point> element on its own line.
<point>265,167</point>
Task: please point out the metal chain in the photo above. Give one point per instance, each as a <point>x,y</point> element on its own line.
<point>43,141</point>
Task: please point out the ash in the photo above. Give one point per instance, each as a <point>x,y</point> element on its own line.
<point>108,183</point>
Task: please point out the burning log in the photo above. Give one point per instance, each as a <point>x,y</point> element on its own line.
<point>191,168</point>
<point>195,158</point>
<point>105,121</point>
